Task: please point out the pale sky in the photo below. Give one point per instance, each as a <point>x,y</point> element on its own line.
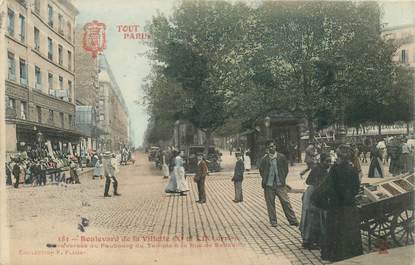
<point>126,57</point>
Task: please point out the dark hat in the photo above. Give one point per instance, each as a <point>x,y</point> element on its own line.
<point>199,154</point>
<point>238,154</point>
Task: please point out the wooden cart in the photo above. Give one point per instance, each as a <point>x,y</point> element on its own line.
<point>391,218</point>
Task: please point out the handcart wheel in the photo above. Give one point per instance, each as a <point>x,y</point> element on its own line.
<point>403,228</point>
<point>381,228</point>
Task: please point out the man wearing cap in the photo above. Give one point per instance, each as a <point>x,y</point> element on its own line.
<point>200,177</point>
<point>273,169</point>
<point>238,177</point>
<point>110,168</point>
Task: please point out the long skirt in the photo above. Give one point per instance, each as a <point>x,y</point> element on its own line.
<point>343,239</point>
<point>98,171</point>
<point>165,170</point>
<point>247,163</point>
<point>376,168</point>
<point>182,184</point>
<point>407,163</point>
<point>310,224</point>
<point>172,185</point>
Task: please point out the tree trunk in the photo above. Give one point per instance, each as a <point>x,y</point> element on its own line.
<point>379,129</point>
<point>407,128</point>
<point>208,141</point>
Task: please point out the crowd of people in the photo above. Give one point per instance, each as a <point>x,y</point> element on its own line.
<point>39,167</point>
<point>330,220</point>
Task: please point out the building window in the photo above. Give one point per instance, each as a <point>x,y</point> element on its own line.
<point>60,27</point>
<point>404,56</point>
<point>12,103</point>
<point>70,90</point>
<point>39,114</point>
<point>50,49</point>
<point>60,82</point>
<point>70,120</point>
<point>62,119</point>
<point>50,83</point>
<point>22,28</point>
<point>37,6</point>
<point>23,72</point>
<point>10,25</point>
<point>37,38</point>
<point>38,76</point>
<point>50,119</point>
<point>60,54</point>
<point>50,15</point>
<point>12,66</point>
<point>69,60</point>
<point>68,25</point>
<point>23,110</point>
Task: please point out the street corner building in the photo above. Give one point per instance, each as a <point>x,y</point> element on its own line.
<point>47,104</point>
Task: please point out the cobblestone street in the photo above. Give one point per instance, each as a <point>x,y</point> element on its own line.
<point>45,214</point>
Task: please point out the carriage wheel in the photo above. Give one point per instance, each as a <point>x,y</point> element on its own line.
<point>381,228</point>
<point>403,228</point>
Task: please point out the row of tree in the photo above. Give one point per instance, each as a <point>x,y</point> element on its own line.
<point>221,65</point>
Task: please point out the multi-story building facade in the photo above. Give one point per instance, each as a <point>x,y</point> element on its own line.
<point>405,36</point>
<point>87,94</point>
<point>112,110</point>
<point>40,79</point>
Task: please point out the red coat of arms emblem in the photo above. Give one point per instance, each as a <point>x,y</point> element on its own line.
<point>94,39</point>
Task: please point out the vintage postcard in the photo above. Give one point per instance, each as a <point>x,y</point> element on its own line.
<point>192,132</point>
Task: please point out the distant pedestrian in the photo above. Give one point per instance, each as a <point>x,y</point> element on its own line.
<point>273,169</point>
<point>310,156</point>
<point>238,177</point>
<point>165,167</point>
<point>200,178</point>
<point>247,160</point>
<point>406,158</point>
<point>97,169</point>
<point>376,165</point>
<point>356,161</point>
<point>179,172</point>
<point>8,174</point>
<point>16,173</point>
<point>395,151</point>
<point>172,184</point>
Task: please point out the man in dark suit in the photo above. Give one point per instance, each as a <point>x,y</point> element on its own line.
<point>238,177</point>
<point>200,177</point>
<point>16,173</point>
<point>273,169</point>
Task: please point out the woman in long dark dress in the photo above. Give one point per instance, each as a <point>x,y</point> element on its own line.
<point>310,224</point>
<point>376,166</point>
<point>341,233</point>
